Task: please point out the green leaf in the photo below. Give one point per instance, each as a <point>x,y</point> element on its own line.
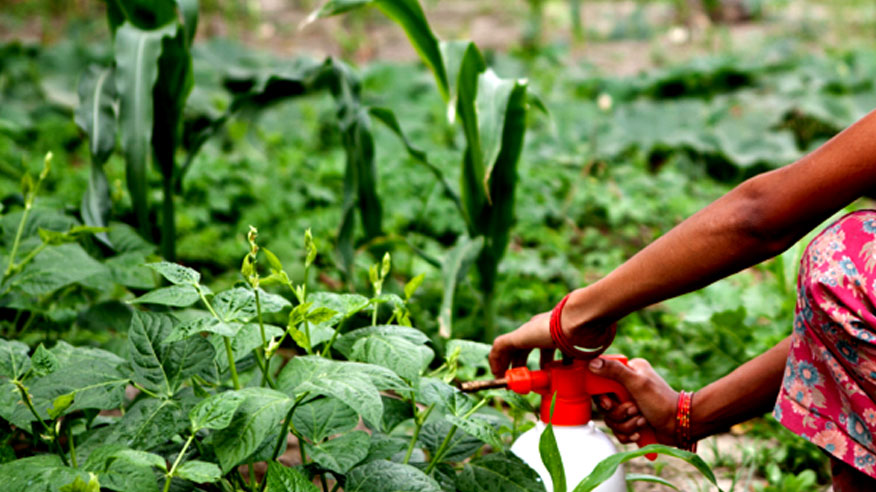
<point>239,304</point>
<point>345,305</point>
<point>498,472</point>
<point>189,10</point>
<point>136,55</point>
<point>639,477</point>
<point>216,411</point>
<point>245,340</point>
<point>453,270</point>
<point>43,361</point>
<point>148,423</point>
<point>176,273</point>
<point>199,472</point>
<point>142,458</point>
<point>550,456</point>
<point>491,105</point>
<point>346,381</point>
<point>341,453</point>
<point>447,398</point>
<point>60,405</point>
<point>388,476</point>
<point>50,270</point>
<point>80,485</point>
<point>480,429</point>
<point>195,326</point>
<point>96,114</point>
<point>323,418</point>
<point>41,473</point>
<point>606,468</point>
<point>284,479</point>
<point>261,412</point>
<point>14,361</point>
<point>412,286</point>
<point>162,368</point>
<point>462,445</point>
<point>174,295</point>
<point>393,352</point>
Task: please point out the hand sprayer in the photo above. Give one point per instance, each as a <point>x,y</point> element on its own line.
<point>582,446</point>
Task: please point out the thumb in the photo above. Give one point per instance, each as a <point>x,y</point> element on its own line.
<point>614,370</point>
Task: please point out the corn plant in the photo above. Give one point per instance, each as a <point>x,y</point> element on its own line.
<point>493,113</point>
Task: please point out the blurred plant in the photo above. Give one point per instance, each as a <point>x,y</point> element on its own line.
<point>493,113</point>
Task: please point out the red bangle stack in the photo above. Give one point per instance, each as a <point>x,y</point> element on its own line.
<point>682,422</point>
<point>559,338</point>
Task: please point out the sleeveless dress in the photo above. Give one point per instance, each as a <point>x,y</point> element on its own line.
<point>828,392</point>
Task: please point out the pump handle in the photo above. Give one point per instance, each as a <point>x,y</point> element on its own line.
<point>597,385</point>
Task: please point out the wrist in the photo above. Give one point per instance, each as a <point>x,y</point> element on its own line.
<point>582,318</point>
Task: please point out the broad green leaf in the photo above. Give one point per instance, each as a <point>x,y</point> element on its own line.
<point>640,477</point>
<point>148,423</point>
<point>387,476</point>
<point>216,411</point>
<point>606,468</point>
<point>395,411</point>
<point>393,352</point>
<point>453,270</point>
<point>43,362</point>
<point>176,273</point>
<point>498,472</point>
<point>246,338</point>
<point>447,398</point>
<point>472,357</point>
<point>142,458</point>
<point>462,445</point>
<point>345,305</point>
<point>261,412</point>
<point>550,457</point>
<point>345,342</point>
<point>195,326</point>
<point>341,453</point>
<point>92,377</point>
<point>480,429</point>
<point>136,55</point>
<point>41,473</point>
<point>323,418</point>
<point>284,479</point>
<point>239,304</point>
<point>173,295</point>
<point>14,361</point>
<point>341,380</point>
<point>122,476</point>
<point>199,472</point>
<point>50,270</point>
<point>159,367</point>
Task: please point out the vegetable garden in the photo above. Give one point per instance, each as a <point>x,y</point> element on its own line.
<point>230,268</point>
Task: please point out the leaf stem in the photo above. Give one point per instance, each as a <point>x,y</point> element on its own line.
<point>182,453</point>
<point>441,451</point>
<point>287,422</point>
<point>144,390</point>
<point>231,366</point>
<point>25,396</point>
<point>72,445</point>
<point>419,420</point>
<point>262,361</point>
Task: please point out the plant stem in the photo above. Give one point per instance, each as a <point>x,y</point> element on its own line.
<point>231,366</point>
<point>72,445</point>
<point>17,240</point>
<point>324,484</point>
<point>25,396</point>
<point>419,420</point>
<point>144,390</point>
<point>287,422</point>
<point>442,449</point>
<point>252,478</point>
<point>263,363</point>
<point>182,453</point>
<point>374,315</point>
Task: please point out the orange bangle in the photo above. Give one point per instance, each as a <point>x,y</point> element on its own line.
<point>682,422</point>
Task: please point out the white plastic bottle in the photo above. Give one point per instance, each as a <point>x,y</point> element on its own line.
<point>581,447</point>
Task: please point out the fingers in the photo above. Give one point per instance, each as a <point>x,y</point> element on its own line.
<point>615,370</point>
<point>500,356</point>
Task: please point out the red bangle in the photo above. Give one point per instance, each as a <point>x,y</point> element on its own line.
<point>562,342</point>
<point>682,422</point>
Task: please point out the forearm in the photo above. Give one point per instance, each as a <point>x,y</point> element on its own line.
<point>747,392</point>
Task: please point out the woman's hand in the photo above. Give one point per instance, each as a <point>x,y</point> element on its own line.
<point>513,348</point>
<point>653,401</point>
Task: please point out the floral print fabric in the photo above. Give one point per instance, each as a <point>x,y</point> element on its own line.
<point>828,393</point>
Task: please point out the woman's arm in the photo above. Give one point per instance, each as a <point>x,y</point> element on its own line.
<point>747,392</point>
<point>755,221</point>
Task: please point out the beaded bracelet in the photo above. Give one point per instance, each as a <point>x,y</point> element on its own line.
<point>562,342</point>
<point>682,422</point>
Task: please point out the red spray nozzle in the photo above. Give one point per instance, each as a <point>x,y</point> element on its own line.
<point>574,386</point>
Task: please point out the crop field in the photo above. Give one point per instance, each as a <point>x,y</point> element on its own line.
<point>257,245</point>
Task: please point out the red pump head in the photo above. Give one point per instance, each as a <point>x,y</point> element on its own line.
<point>574,386</point>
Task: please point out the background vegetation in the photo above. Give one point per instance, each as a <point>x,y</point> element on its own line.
<point>635,117</point>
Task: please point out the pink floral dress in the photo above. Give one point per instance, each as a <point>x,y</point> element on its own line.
<point>828,393</point>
